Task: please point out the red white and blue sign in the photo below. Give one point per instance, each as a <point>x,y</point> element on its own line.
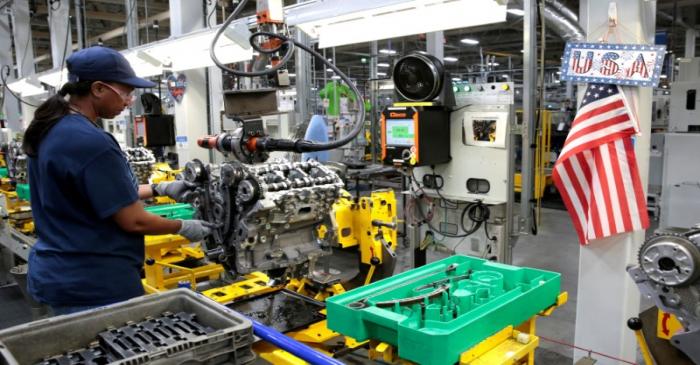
<point>621,64</point>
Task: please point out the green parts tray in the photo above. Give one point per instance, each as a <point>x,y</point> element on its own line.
<point>172,211</point>
<point>3,172</point>
<point>434,313</point>
<point>23,192</point>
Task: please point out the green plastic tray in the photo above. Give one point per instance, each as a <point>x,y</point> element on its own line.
<point>3,172</point>
<point>172,211</point>
<point>23,192</point>
<point>449,306</point>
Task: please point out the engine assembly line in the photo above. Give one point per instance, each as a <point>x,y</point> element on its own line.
<point>439,182</point>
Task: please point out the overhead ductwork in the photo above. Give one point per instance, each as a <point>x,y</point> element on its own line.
<point>562,20</point>
<point>564,26</point>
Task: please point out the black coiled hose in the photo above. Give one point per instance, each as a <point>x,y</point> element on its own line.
<point>298,145</point>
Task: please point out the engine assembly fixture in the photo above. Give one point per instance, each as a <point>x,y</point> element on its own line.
<point>668,272</point>
<point>271,216</point>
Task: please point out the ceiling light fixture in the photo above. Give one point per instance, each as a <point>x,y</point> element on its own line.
<point>387,51</point>
<point>518,12</point>
<point>470,41</point>
<point>450,59</point>
<point>365,21</point>
<point>383,64</point>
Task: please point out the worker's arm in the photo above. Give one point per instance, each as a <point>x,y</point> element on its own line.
<point>145,192</point>
<point>134,219</point>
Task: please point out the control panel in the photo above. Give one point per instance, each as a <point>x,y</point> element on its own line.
<point>467,93</point>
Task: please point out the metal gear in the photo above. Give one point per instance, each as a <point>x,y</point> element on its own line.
<point>670,259</point>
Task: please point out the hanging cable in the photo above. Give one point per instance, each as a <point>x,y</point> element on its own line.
<point>290,44</point>
<point>4,73</point>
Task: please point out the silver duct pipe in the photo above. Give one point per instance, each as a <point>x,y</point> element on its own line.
<point>556,4</point>
<point>562,20</point>
<point>566,28</point>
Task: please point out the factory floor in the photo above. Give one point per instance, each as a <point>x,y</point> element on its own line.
<point>554,248</point>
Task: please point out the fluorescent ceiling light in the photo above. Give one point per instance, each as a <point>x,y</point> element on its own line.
<point>518,12</point>
<point>25,87</point>
<point>382,64</point>
<point>456,79</point>
<point>662,76</point>
<point>389,86</point>
<point>329,70</point>
<point>381,73</point>
<point>558,72</point>
<point>469,41</point>
<point>504,76</point>
<point>292,75</point>
<point>387,51</point>
<point>335,77</point>
<point>359,23</point>
<point>450,59</point>
<point>191,51</point>
<point>494,64</point>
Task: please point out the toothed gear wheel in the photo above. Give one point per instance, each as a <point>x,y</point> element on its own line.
<point>248,191</point>
<point>670,259</point>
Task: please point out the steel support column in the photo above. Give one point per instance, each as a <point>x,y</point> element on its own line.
<point>690,35</point>
<point>302,63</point>
<point>373,60</point>
<point>187,16</point>
<point>24,51</point>
<point>132,23</point>
<point>607,296</point>
<point>529,105</point>
<point>60,31</point>
<point>9,110</point>
<point>215,89</point>
<point>435,44</point>
<point>79,24</point>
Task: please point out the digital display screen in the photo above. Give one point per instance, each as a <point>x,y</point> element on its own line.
<point>399,132</point>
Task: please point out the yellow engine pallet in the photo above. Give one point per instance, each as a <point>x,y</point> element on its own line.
<point>163,268</point>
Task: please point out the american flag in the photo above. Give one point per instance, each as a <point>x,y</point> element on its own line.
<point>610,67</point>
<point>596,172</point>
<point>638,66</point>
<point>580,67</point>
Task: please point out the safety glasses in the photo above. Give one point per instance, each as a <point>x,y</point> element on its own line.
<point>128,98</point>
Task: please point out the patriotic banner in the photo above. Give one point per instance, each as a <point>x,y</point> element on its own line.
<point>596,173</point>
<point>621,64</point>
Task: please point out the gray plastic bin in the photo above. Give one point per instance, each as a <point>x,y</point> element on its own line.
<point>230,343</point>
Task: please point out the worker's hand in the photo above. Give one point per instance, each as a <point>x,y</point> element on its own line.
<point>195,230</point>
<point>174,189</point>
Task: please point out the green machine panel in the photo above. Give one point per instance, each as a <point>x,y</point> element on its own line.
<point>434,313</point>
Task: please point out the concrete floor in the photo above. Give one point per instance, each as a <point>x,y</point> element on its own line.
<point>555,248</point>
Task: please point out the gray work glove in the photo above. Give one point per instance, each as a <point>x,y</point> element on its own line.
<point>194,230</point>
<point>174,189</point>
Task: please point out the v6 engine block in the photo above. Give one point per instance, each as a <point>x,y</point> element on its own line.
<point>267,216</point>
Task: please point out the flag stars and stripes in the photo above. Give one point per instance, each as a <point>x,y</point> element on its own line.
<point>596,173</point>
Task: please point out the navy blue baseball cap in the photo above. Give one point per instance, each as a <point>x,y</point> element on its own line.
<point>103,64</point>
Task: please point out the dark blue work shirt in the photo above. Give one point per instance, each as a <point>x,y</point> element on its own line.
<point>79,179</point>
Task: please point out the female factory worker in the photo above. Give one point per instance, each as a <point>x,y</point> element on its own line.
<point>85,199</point>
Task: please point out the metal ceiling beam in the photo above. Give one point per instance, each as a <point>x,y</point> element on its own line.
<point>41,9</point>
<point>117,32</point>
<point>151,4</point>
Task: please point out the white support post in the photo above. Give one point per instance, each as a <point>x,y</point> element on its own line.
<point>9,110</point>
<point>60,31</point>
<point>191,113</point>
<point>22,34</point>
<point>607,297</point>
<point>216,95</point>
<point>435,44</point>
